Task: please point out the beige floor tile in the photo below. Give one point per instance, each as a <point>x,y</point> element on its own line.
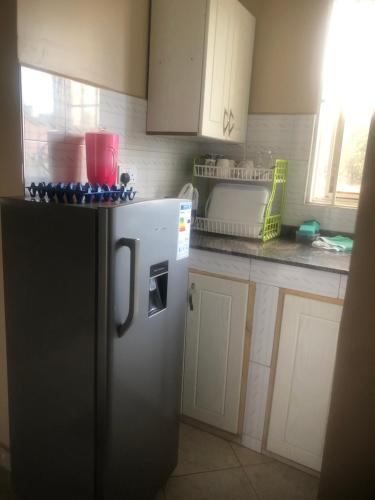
<point>276,481</point>
<point>249,457</point>
<point>202,452</point>
<point>229,484</point>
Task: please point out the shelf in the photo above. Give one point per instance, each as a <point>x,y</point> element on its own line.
<point>230,228</point>
<point>271,226</point>
<point>234,173</point>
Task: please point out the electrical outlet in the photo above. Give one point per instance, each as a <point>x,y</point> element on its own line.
<point>132,172</point>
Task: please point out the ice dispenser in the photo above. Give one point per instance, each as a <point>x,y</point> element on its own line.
<point>158,286</point>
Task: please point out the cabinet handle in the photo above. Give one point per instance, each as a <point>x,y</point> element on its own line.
<point>231,127</point>
<point>191,290</point>
<point>225,121</point>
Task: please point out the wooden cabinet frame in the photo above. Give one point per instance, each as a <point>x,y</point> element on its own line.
<point>275,351</point>
<point>246,355</point>
<point>246,349</point>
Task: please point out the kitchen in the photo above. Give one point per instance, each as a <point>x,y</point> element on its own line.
<point>252,390</point>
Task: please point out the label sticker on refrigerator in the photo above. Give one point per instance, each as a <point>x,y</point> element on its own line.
<point>184,222</point>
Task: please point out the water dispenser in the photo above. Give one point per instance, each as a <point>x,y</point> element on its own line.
<point>158,287</point>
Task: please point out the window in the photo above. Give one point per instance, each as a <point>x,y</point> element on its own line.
<point>37,92</point>
<point>84,105</point>
<point>347,104</point>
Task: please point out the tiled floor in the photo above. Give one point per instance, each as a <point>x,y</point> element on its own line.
<point>211,468</point>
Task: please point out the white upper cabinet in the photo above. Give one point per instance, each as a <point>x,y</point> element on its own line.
<point>243,32</point>
<point>200,68</point>
<point>216,80</point>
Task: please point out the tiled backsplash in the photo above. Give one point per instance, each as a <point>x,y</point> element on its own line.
<point>290,137</point>
<point>58,111</point>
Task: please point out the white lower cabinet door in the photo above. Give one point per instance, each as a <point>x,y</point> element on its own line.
<point>303,381</point>
<point>214,348</point>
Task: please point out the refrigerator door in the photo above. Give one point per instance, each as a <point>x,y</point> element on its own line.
<point>50,260</point>
<point>144,358</point>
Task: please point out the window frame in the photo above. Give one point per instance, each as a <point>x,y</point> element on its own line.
<point>333,197</point>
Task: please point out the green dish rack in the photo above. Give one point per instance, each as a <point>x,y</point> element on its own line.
<point>272,215</point>
<point>271,226</point>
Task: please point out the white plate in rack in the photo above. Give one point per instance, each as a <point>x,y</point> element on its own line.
<point>237,202</point>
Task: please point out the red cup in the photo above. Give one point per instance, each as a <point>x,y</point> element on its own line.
<point>101,157</point>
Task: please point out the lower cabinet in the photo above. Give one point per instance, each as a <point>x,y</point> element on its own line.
<point>215,345</point>
<point>303,378</point>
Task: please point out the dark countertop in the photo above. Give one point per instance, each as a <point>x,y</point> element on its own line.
<point>280,250</point>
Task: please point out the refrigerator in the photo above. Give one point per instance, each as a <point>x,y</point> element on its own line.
<point>95,300</point>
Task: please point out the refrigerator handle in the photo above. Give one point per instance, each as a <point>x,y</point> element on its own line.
<point>132,245</point>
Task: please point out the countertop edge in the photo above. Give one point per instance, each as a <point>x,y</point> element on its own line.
<point>272,259</point>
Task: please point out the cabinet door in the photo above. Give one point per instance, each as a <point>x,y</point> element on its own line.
<point>177,35</point>
<point>243,31</point>
<point>214,347</point>
<point>303,382</point>
<point>215,95</point>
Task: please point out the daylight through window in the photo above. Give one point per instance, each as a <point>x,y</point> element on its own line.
<point>347,104</point>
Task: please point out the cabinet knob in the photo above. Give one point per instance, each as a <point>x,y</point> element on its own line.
<point>225,121</point>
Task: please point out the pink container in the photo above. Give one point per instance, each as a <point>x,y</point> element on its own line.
<point>101,157</point>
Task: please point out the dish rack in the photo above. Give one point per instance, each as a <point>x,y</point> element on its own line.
<point>271,226</point>
<point>234,173</point>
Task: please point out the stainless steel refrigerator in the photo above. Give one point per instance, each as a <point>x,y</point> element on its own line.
<point>95,301</point>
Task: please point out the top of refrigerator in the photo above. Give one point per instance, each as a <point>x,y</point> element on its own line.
<point>94,205</point>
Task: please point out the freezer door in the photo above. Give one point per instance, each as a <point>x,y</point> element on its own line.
<point>148,283</point>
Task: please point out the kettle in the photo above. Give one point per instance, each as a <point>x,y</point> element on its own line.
<point>191,193</point>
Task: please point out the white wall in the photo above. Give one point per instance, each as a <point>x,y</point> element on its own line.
<point>112,37</point>
<point>290,137</point>
<point>57,117</point>
<point>104,43</point>
<point>289,47</point>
